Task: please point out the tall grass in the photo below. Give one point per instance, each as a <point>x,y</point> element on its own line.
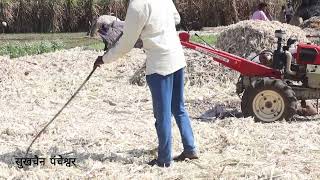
<point>55,15</point>
<point>74,15</point>
<point>223,12</point>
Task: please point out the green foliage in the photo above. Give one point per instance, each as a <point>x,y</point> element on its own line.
<point>15,50</point>
<point>95,46</point>
<point>211,39</point>
<point>17,45</point>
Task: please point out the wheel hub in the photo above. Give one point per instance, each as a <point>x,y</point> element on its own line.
<point>268,105</point>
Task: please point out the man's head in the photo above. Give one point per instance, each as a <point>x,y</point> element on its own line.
<point>262,6</point>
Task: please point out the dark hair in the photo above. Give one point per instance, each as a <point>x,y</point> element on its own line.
<point>262,5</point>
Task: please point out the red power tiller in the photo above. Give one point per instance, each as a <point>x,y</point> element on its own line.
<point>270,89</point>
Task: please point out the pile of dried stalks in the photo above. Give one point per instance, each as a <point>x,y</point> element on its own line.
<point>250,36</point>
<point>313,22</point>
<point>201,71</point>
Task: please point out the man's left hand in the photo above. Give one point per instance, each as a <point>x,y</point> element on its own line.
<point>98,61</point>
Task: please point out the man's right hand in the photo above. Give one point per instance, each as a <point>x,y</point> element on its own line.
<point>98,62</point>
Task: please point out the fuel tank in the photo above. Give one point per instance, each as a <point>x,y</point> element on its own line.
<point>308,54</point>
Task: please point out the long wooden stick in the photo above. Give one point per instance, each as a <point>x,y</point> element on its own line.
<point>72,97</point>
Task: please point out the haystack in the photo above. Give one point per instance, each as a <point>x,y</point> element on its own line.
<point>250,36</point>
<point>139,76</point>
<point>313,23</point>
<point>201,71</point>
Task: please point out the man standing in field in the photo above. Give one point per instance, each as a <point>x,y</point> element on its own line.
<point>289,12</point>
<point>154,22</point>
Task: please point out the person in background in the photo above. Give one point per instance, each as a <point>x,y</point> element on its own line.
<point>283,14</point>
<point>154,22</point>
<point>289,13</point>
<point>260,13</point>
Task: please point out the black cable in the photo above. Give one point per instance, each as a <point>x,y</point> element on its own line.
<point>262,52</point>
<point>72,97</point>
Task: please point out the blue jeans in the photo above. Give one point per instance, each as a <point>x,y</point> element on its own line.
<point>168,100</point>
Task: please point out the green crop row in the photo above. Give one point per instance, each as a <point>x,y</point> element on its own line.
<point>22,49</point>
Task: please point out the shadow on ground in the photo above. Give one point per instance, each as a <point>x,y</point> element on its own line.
<point>219,112</point>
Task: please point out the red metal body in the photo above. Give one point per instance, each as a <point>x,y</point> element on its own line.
<point>308,54</point>
<point>243,66</point>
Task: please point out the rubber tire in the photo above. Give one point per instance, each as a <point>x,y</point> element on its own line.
<point>285,91</point>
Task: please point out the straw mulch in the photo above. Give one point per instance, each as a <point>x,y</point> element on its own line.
<point>200,71</point>
<point>313,23</point>
<point>109,127</point>
<point>251,36</point>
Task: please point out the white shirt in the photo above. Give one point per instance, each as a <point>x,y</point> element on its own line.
<point>154,21</point>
